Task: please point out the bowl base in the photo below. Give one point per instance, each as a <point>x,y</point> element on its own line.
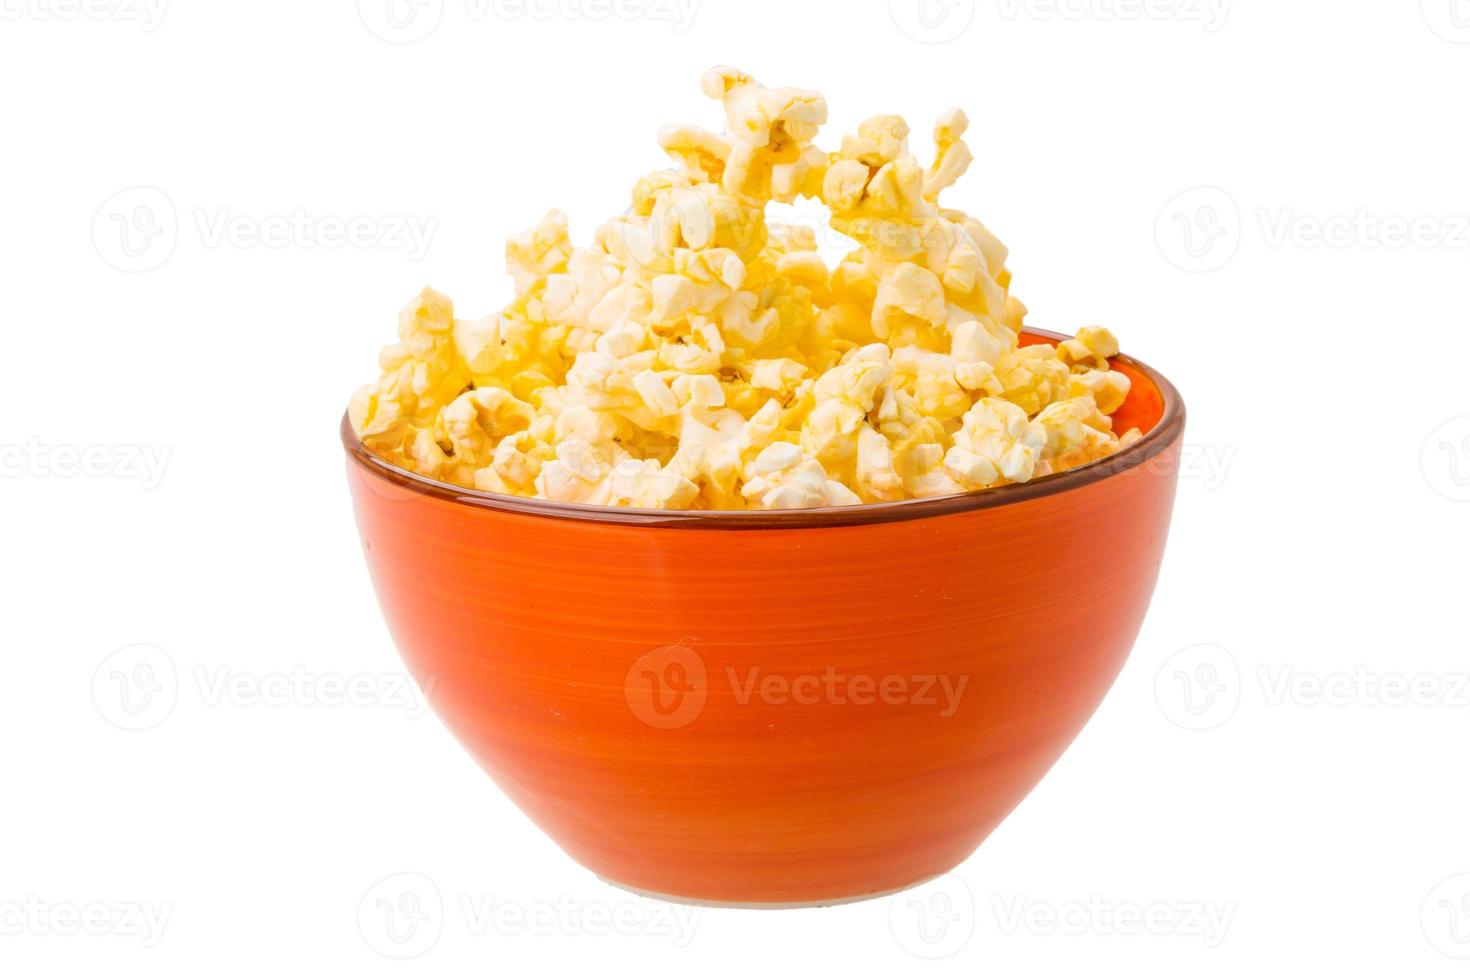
<point>715,903</point>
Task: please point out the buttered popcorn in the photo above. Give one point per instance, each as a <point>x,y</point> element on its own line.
<point>698,355</point>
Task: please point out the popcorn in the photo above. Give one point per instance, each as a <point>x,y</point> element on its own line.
<point>1091,347</point>
<point>700,153</point>
<point>1032,377</point>
<point>952,157</point>
<point>534,254</point>
<point>909,304</point>
<point>698,356</point>
<point>777,373</point>
<point>1072,425</point>
<point>996,443</point>
<point>783,477</point>
<point>475,422</point>
<point>513,467</point>
<point>1109,389</point>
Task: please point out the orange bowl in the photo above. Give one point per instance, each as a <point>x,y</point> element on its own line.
<point>775,708</point>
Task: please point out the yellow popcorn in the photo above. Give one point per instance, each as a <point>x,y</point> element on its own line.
<point>513,466</point>
<point>1108,389</point>
<point>1032,377</point>
<point>474,423</point>
<point>909,305</point>
<point>875,477</point>
<point>532,255</point>
<point>700,153</point>
<point>1091,347</point>
<point>934,382</point>
<point>777,373</point>
<point>697,355</point>
<point>952,157</point>
<point>996,443</point>
<point>919,459</point>
<point>782,477</point>
<point>1071,426</point>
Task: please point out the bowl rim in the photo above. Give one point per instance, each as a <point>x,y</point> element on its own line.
<point>1155,441</point>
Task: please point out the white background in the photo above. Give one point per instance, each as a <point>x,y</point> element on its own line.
<point>1258,786</point>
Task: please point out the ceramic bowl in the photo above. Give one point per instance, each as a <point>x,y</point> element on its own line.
<point>774,708</point>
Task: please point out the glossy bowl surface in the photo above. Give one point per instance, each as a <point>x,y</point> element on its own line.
<point>780,708</point>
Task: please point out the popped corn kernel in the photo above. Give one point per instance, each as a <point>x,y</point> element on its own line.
<point>1091,347</point>
<point>1072,424</point>
<point>952,157</point>
<point>702,154</point>
<point>1032,377</point>
<point>782,477</point>
<point>475,422</point>
<point>1109,389</point>
<point>696,355</point>
<point>909,304</point>
<point>995,441</point>
<point>534,254</point>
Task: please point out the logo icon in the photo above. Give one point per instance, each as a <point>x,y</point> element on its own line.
<point>1199,229</point>
<point>1198,688</point>
<point>136,229</point>
<point>401,916</point>
<point>1445,459</point>
<point>400,21</point>
<point>136,687</point>
<point>934,920</point>
<point>1445,917</point>
<point>932,21</point>
<point>1450,19</point>
<point>667,687</point>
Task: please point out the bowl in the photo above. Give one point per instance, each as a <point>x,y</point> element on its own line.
<point>774,708</point>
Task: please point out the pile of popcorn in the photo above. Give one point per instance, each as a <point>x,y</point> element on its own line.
<point>699,355</point>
